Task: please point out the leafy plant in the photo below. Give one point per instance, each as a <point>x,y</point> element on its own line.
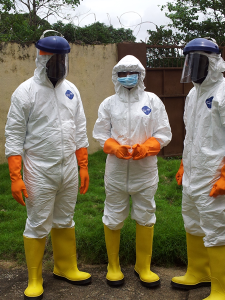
<point>97,33</point>
<point>38,8</point>
<point>16,27</point>
<point>191,19</point>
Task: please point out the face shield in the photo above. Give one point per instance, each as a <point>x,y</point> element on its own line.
<point>53,56</point>
<point>57,66</point>
<point>195,68</point>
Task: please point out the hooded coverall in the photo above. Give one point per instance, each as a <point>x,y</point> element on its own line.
<point>131,117</point>
<point>203,155</point>
<point>46,125</point>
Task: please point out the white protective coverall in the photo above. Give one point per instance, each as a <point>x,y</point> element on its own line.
<point>131,117</point>
<point>203,155</point>
<point>46,125</point>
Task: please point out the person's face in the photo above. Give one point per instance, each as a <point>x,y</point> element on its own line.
<point>203,65</point>
<point>56,67</point>
<point>195,67</point>
<point>124,74</point>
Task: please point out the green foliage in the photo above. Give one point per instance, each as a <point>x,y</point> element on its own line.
<point>163,36</point>
<point>169,247</point>
<point>97,33</point>
<point>7,5</point>
<point>191,19</point>
<point>12,219</point>
<point>35,8</point>
<point>16,28</point>
<point>28,27</point>
<point>168,189</point>
<point>161,57</point>
<point>169,234</point>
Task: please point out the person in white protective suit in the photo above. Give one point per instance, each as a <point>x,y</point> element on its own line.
<point>132,127</point>
<point>46,127</point>
<point>202,170</point>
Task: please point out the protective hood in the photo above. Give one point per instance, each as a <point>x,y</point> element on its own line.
<point>40,75</point>
<point>215,69</point>
<point>132,64</point>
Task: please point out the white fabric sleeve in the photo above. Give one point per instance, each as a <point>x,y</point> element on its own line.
<point>80,121</point>
<point>222,108</point>
<point>162,131</point>
<point>185,115</point>
<point>16,125</point>
<point>102,127</point>
<point>189,96</point>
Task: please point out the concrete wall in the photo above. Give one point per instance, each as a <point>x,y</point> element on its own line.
<point>90,69</point>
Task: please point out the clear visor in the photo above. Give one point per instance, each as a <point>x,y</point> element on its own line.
<point>57,66</point>
<point>195,67</point>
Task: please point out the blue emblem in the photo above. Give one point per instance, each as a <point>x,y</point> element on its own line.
<point>146,110</point>
<point>209,102</point>
<point>69,94</point>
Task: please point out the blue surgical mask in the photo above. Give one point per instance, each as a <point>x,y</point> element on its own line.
<point>129,81</point>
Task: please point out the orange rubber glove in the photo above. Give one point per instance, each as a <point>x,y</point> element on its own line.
<point>219,187</point>
<point>82,160</point>
<point>180,173</point>
<point>121,151</point>
<point>149,148</point>
<point>17,184</point>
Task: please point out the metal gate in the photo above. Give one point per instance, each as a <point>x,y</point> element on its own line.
<point>164,66</point>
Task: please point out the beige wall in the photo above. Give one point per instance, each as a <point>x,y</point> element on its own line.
<point>90,70</point>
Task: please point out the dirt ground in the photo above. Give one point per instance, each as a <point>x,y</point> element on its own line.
<point>13,281</point>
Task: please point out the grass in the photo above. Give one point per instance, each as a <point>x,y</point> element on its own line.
<point>169,246</point>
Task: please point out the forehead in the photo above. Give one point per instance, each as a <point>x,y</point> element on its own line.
<point>57,58</point>
<point>133,72</point>
<point>125,74</point>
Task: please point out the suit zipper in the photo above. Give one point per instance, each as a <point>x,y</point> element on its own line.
<point>62,139</point>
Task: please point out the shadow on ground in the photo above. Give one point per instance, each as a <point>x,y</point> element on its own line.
<point>13,281</point>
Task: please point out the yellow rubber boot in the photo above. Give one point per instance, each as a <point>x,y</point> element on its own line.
<point>114,275</point>
<point>34,251</point>
<point>144,241</point>
<point>65,258</point>
<point>198,270</point>
<point>217,267</point>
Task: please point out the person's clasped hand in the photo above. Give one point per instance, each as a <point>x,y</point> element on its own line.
<point>123,152</point>
<point>139,151</point>
<point>149,148</point>
<point>120,151</point>
<point>136,152</point>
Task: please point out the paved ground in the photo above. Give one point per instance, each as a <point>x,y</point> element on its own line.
<point>13,281</point>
